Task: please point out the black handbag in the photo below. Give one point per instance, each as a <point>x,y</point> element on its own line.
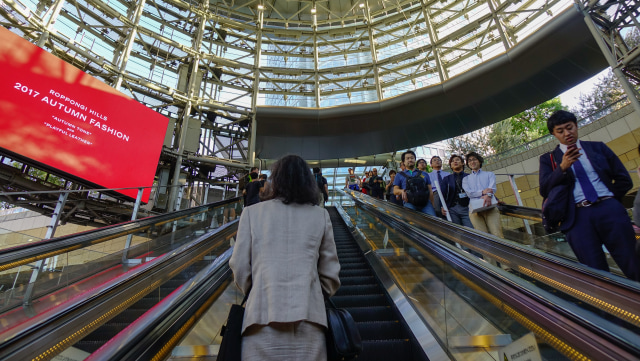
<point>343,337</point>
<point>231,332</point>
<point>554,207</point>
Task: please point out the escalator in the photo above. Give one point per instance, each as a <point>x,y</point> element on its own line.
<point>104,333</point>
<point>411,295</point>
<point>544,262</point>
<point>384,333</point>
<point>78,305</point>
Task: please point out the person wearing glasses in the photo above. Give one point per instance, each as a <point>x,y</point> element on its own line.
<point>480,187</point>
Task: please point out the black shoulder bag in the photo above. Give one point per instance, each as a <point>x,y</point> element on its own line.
<point>231,345</point>
<point>343,337</point>
<point>554,207</point>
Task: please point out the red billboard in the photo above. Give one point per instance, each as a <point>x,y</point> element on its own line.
<point>57,115</point>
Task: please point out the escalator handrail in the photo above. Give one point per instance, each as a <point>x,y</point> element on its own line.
<point>601,289</point>
<point>60,326</point>
<point>31,252</point>
<point>598,338</point>
<point>153,335</point>
<point>532,214</point>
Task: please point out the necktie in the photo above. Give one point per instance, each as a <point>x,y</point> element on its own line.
<point>587,188</point>
<point>439,181</point>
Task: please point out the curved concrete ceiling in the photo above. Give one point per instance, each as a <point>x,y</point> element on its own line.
<point>557,57</point>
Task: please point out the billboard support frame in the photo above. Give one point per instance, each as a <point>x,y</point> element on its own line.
<point>51,230</point>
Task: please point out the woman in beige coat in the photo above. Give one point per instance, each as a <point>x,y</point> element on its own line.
<point>285,257</point>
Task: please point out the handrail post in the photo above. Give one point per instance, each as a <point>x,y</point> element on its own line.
<point>51,230</point>
<point>180,195</point>
<point>518,200</point>
<point>134,215</point>
<point>177,208</point>
<point>442,202</point>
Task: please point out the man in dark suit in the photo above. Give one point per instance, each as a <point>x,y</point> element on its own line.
<point>453,194</point>
<point>596,180</point>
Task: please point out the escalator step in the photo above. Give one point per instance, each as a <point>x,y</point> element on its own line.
<point>381,330</point>
<point>107,331</point>
<point>369,314</point>
<point>127,316</point>
<point>358,280</point>
<point>175,282</point>
<point>346,248</point>
<point>386,350</point>
<point>351,257</point>
<point>89,346</point>
<point>145,303</point>
<point>355,273</point>
<point>370,300</point>
<point>359,289</point>
<point>353,266</point>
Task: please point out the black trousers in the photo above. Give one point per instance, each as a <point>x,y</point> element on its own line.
<point>605,223</point>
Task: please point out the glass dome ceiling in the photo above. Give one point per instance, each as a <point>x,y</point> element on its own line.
<point>313,54</point>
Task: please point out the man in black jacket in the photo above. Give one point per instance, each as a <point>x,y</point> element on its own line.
<point>596,180</point>
<point>453,194</point>
<point>376,185</point>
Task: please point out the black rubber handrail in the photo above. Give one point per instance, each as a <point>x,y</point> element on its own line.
<point>610,293</point>
<point>532,214</point>
<point>156,333</point>
<point>31,252</point>
<point>568,328</point>
<point>49,333</point>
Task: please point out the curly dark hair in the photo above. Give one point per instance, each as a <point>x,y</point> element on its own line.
<point>476,156</point>
<point>292,181</point>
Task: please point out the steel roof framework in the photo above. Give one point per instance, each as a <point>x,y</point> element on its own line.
<point>218,60</point>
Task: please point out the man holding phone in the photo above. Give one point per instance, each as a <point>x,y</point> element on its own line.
<point>596,180</point>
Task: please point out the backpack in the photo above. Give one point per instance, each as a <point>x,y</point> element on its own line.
<point>417,191</point>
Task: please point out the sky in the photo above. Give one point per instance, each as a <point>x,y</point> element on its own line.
<point>570,97</point>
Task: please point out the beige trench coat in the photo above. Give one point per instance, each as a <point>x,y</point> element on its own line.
<point>287,255</point>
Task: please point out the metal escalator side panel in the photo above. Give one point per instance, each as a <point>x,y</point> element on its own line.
<point>580,332</point>
<point>60,327</point>
<point>613,294</point>
<point>160,329</point>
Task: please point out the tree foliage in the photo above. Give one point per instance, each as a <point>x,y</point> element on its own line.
<point>471,142</point>
<point>509,133</point>
<point>523,127</point>
<point>606,91</point>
